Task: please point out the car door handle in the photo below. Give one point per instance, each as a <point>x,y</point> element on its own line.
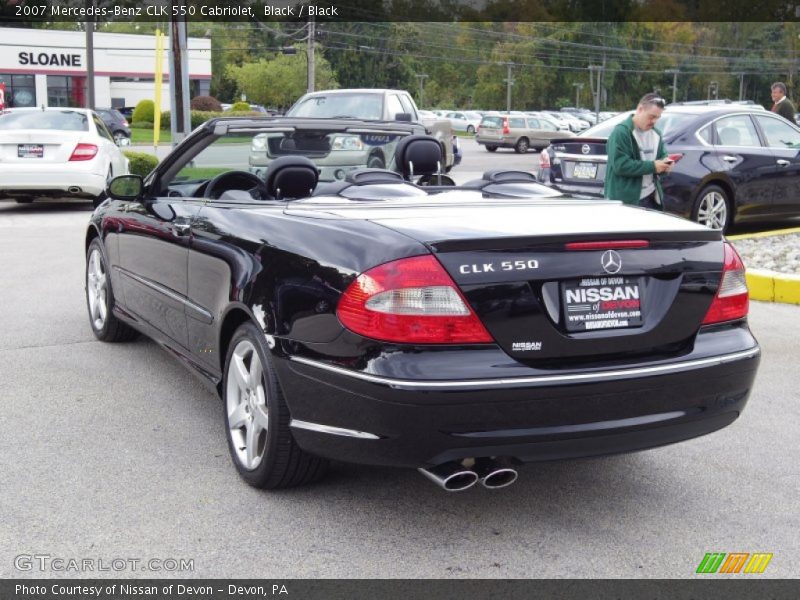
<point>783,163</point>
<point>729,158</point>
<point>181,229</point>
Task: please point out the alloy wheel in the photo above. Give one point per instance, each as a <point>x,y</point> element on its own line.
<point>713,210</point>
<point>246,405</point>
<point>97,290</point>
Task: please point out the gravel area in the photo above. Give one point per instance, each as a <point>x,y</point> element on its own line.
<point>779,253</point>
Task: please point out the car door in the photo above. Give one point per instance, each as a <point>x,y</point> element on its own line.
<point>154,236</point>
<point>783,141</point>
<point>742,159</point>
<point>108,149</point>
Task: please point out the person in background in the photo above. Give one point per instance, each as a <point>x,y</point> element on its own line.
<point>782,105</point>
<point>636,156</point>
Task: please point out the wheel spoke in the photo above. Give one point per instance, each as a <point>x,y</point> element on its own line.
<point>238,417</point>
<point>261,418</point>
<point>251,443</point>
<point>240,371</point>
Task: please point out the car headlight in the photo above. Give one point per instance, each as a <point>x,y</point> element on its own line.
<point>259,143</point>
<point>347,142</point>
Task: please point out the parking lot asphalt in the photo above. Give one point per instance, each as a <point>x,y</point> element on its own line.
<point>115,451</point>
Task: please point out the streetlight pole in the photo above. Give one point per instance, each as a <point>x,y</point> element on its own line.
<point>674,73</point>
<point>421,78</point>
<point>310,55</point>
<point>599,69</point>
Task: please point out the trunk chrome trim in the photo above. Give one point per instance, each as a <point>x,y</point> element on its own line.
<point>541,380</point>
<point>319,428</point>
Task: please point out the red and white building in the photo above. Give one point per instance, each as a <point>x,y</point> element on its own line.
<point>48,67</point>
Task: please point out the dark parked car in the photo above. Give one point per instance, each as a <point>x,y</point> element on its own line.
<point>116,123</point>
<point>736,163</point>
<point>458,330</point>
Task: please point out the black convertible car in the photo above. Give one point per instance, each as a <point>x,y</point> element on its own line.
<point>459,330</point>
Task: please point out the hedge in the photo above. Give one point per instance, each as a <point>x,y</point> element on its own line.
<point>198,117</point>
<point>239,107</point>
<point>144,111</point>
<point>140,163</point>
<point>205,103</point>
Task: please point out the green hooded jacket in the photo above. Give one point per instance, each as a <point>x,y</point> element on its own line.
<point>625,166</point>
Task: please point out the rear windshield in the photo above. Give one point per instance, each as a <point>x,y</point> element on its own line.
<point>355,106</point>
<point>492,122</point>
<point>62,120</point>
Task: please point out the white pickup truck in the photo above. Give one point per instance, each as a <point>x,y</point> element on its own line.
<point>380,105</point>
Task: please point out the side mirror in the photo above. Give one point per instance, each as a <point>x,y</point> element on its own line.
<point>405,117</point>
<point>126,187</point>
<point>123,141</point>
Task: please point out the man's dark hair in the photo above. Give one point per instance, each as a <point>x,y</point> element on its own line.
<point>779,85</point>
<point>652,100</point>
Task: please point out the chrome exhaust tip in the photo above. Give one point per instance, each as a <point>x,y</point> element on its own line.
<point>451,476</point>
<point>74,189</point>
<point>495,473</point>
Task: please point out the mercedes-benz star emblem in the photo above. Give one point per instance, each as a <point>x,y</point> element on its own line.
<point>586,149</point>
<point>611,261</point>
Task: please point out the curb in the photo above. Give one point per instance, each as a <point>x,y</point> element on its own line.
<point>771,286</point>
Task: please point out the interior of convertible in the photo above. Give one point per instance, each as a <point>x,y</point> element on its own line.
<point>211,172</point>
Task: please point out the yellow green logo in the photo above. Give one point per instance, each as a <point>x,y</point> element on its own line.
<point>734,562</point>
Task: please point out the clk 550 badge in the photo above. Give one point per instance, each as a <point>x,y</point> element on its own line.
<point>494,267</point>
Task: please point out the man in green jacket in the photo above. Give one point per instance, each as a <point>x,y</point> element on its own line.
<point>636,157</point>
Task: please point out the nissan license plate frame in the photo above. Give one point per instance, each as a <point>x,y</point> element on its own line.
<point>585,170</point>
<point>602,303</point>
<point>30,150</point>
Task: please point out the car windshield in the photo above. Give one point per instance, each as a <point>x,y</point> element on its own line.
<point>62,120</point>
<point>331,106</point>
<point>669,122</point>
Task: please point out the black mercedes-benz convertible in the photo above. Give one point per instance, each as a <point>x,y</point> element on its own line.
<point>388,318</point>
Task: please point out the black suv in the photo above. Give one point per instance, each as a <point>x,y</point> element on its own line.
<point>115,122</point>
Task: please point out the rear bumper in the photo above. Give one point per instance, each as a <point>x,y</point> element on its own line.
<point>41,181</point>
<point>358,417</point>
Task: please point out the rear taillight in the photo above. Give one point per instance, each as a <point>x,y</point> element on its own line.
<point>124,122</point>
<point>544,159</point>
<point>84,152</point>
<point>413,301</point>
<point>506,130</point>
<point>732,299</point>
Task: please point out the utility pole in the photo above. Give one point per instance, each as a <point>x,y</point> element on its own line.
<point>310,55</point>
<point>713,90</point>
<point>596,89</point>
<point>578,88</point>
<point>741,86</point>
<point>90,97</point>
<point>674,73</point>
<point>509,82</point>
<point>421,77</point>
<point>180,123</point>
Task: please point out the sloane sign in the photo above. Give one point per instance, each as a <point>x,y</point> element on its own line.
<point>55,59</point>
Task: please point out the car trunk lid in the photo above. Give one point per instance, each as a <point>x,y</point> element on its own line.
<point>37,146</point>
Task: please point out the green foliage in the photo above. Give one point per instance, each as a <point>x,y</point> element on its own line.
<point>144,112</point>
<point>240,106</point>
<point>205,103</point>
<point>198,117</point>
<point>281,80</point>
<point>140,163</point>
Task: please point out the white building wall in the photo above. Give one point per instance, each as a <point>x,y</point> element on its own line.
<point>133,92</point>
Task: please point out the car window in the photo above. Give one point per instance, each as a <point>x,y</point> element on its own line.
<point>779,133</point>
<point>706,134</point>
<point>101,129</point>
<point>61,120</point>
<point>407,107</point>
<point>737,130</point>
<point>533,123</point>
<point>393,105</point>
<point>516,122</point>
<point>494,122</point>
<point>359,106</point>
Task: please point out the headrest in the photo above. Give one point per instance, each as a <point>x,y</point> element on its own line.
<point>418,155</point>
<point>290,177</point>
<point>367,176</point>
<point>506,176</point>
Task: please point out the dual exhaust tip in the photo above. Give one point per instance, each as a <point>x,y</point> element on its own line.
<point>492,473</point>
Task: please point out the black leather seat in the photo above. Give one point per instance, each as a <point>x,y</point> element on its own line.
<point>291,177</point>
<point>418,155</point>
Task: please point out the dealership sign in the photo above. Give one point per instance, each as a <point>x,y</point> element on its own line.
<point>32,59</point>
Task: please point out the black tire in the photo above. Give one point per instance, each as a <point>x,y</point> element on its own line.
<point>491,148</point>
<point>254,401</point>
<point>470,130</point>
<point>522,145</point>
<point>712,208</point>
<point>100,299</point>
<point>376,162</point>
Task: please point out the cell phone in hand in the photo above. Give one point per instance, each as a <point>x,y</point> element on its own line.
<point>673,158</point>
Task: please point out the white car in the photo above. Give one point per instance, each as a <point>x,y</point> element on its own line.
<point>57,152</point>
<point>466,120</point>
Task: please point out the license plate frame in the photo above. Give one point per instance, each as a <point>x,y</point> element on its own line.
<point>602,303</point>
<point>585,170</point>
<point>30,150</point>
